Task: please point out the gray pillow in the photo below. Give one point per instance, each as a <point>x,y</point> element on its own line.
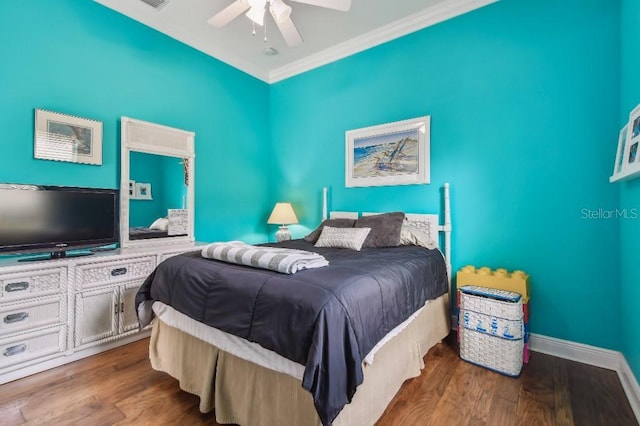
<point>349,238</point>
<point>385,229</point>
<point>334,223</point>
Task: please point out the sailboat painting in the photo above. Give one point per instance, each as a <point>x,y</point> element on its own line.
<point>389,154</point>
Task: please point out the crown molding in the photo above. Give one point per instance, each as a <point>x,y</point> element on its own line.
<point>428,17</point>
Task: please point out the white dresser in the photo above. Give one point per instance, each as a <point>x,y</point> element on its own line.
<point>57,311</point>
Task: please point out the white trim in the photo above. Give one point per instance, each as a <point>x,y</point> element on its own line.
<point>630,386</point>
<point>599,357</point>
<point>573,351</point>
<point>425,18</point>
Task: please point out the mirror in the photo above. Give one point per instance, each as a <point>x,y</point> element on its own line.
<point>156,184</point>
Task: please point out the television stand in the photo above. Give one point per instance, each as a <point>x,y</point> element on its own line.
<point>55,255</point>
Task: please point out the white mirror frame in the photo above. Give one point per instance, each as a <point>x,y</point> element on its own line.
<point>151,138</point>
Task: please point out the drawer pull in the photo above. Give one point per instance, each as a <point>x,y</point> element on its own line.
<point>118,271</point>
<point>20,316</point>
<point>14,350</point>
<point>23,285</point>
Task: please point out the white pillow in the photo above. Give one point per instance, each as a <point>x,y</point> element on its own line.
<point>351,238</point>
<point>161,224</point>
<point>410,235</point>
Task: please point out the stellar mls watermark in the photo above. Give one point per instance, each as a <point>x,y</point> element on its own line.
<point>632,213</point>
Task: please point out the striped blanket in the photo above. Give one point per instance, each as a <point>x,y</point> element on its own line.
<point>286,261</point>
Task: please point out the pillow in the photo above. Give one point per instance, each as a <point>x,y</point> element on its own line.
<point>161,224</point>
<point>335,223</point>
<point>385,229</point>
<point>351,238</point>
<point>412,236</point>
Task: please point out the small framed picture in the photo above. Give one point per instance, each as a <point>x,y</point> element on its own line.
<point>132,189</point>
<point>143,191</point>
<point>62,137</point>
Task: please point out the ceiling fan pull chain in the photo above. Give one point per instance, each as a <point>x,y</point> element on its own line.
<point>253,33</point>
<point>265,33</point>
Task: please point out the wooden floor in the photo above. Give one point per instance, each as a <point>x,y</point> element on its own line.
<point>119,387</point>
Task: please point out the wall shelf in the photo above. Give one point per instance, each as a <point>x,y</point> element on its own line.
<point>627,174</point>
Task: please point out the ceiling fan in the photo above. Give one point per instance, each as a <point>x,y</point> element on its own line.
<point>280,11</point>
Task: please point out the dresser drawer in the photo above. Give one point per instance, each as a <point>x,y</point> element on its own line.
<point>97,274</point>
<point>27,284</point>
<point>32,313</point>
<point>29,346</point>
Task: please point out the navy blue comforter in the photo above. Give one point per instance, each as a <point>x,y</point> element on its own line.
<point>327,319</point>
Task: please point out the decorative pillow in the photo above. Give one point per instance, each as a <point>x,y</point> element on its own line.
<point>335,223</point>
<point>161,224</point>
<point>412,236</point>
<point>385,229</point>
<point>351,238</point>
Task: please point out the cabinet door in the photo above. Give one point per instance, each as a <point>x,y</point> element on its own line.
<point>129,318</point>
<point>96,315</point>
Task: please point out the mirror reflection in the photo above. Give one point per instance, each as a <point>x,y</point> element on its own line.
<point>157,186</point>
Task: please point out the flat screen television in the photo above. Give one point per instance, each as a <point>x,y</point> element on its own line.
<point>54,219</point>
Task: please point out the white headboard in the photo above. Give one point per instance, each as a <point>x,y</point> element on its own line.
<point>429,223</point>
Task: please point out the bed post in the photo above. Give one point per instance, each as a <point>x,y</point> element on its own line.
<point>324,203</point>
<point>447,233</point>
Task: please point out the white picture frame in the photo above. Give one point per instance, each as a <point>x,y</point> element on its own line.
<point>143,191</point>
<point>395,153</point>
<point>62,137</point>
<point>627,163</point>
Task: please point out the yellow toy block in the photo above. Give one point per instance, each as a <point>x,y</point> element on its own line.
<point>516,281</point>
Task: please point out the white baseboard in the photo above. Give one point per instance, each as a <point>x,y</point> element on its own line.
<point>573,351</point>
<point>604,358</point>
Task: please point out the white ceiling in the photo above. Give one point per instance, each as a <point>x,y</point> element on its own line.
<point>328,34</point>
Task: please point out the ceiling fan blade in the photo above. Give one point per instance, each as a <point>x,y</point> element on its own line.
<point>229,13</point>
<point>342,5</point>
<point>289,32</point>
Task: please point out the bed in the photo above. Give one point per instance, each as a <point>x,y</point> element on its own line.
<point>333,351</point>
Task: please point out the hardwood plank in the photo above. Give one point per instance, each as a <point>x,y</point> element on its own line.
<point>502,412</point>
<point>95,414</point>
<point>563,414</point>
<point>11,416</point>
<point>595,393</point>
<point>536,400</point>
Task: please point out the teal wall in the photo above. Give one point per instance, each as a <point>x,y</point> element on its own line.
<point>78,57</point>
<point>630,191</point>
<point>523,97</point>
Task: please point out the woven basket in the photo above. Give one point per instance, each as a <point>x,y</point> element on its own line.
<point>495,303</point>
<point>491,329</point>
<point>495,353</point>
<point>500,327</point>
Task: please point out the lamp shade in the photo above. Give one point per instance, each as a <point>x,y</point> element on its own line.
<point>282,214</point>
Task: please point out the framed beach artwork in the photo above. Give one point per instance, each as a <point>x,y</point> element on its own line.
<point>62,137</point>
<point>388,154</point>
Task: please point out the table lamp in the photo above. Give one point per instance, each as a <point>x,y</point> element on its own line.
<point>282,215</point>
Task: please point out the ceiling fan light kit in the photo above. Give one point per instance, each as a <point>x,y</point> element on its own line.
<point>280,12</point>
